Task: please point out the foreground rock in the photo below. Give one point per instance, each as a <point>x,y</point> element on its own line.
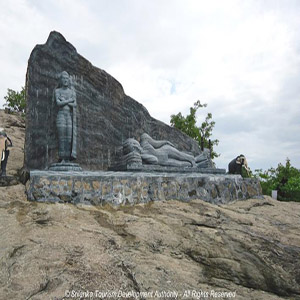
<point>105,115</point>
<point>251,247</point>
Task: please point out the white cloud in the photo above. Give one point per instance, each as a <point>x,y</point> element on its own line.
<point>240,57</point>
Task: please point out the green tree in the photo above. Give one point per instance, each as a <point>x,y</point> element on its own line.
<point>15,100</point>
<point>188,125</point>
<point>284,179</point>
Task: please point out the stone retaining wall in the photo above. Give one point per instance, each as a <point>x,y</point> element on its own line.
<point>117,188</point>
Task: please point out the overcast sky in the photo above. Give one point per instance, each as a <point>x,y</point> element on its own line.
<point>242,58</point>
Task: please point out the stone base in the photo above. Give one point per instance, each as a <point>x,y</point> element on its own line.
<point>65,166</point>
<point>117,188</point>
<point>166,169</point>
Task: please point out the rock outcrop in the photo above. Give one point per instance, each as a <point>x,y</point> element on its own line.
<point>248,247</point>
<point>105,115</point>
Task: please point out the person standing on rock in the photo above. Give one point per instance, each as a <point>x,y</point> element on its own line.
<point>5,142</point>
<point>65,98</point>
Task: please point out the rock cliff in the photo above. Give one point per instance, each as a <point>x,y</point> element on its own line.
<point>106,116</point>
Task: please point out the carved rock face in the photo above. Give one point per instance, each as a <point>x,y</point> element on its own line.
<point>106,117</point>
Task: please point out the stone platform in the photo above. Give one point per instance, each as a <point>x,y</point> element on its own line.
<point>65,166</point>
<point>166,169</point>
<point>116,188</point>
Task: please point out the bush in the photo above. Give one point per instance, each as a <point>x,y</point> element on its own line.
<point>202,133</point>
<point>284,179</point>
<point>15,100</point>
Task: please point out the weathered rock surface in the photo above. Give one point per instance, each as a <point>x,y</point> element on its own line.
<point>8,180</point>
<point>251,247</point>
<point>105,115</point>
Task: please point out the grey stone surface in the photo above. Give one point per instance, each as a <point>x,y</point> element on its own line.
<point>118,188</point>
<point>65,99</point>
<point>168,169</point>
<point>106,116</point>
<point>164,153</point>
<point>65,166</point>
<point>158,155</point>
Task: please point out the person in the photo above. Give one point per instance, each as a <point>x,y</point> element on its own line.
<point>237,164</point>
<point>164,153</point>
<point>5,142</point>
<point>65,98</point>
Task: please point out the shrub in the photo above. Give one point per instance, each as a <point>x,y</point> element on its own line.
<point>284,179</point>
<point>15,100</point>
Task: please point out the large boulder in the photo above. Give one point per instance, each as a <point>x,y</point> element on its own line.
<point>249,249</point>
<point>105,115</point>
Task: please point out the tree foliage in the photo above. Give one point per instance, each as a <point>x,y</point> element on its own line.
<point>15,100</point>
<point>188,125</point>
<point>284,179</point>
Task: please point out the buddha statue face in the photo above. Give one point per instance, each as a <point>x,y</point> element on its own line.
<point>64,79</point>
<point>131,145</point>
